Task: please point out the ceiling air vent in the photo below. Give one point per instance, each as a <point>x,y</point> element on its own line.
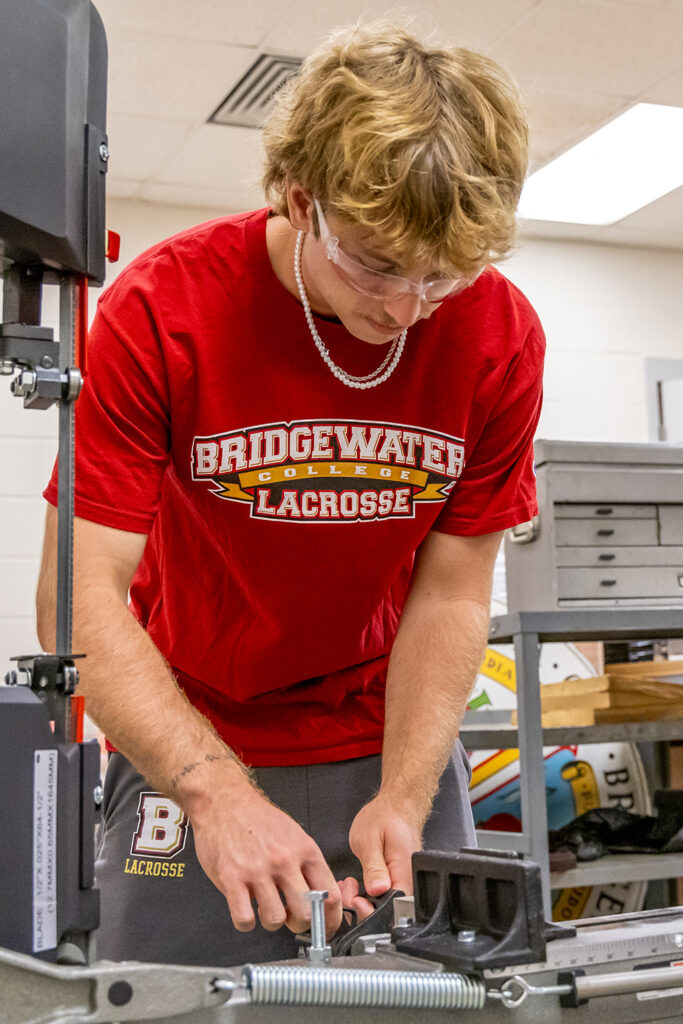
<point>248,103</point>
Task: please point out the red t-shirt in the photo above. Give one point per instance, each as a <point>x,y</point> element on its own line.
<point>283,507</point>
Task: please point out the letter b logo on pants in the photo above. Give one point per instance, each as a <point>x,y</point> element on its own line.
<point>162,827</point>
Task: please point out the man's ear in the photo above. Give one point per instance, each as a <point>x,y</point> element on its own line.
<point>300,206</point>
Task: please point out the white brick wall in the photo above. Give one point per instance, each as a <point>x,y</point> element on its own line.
<point>605,309</point>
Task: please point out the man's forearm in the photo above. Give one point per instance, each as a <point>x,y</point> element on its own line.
<point>132,696</point>
<point>434,664</point>
<point>247,847</point>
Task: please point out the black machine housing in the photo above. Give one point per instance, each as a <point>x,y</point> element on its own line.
<point>53,153</point>
<point>53,162</point>
<point>45,829</point>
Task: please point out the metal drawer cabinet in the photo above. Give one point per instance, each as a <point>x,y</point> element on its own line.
<point>603,512</point>
<point>653,581</point>
<point>609,530</point>
<point>671,524</point>
<point>611,557</point>
<point>590,532</point>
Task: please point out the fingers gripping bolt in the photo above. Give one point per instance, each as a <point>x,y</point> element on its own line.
<point>318,951</point>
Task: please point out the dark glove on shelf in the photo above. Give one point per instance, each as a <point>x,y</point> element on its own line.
<point>615,830</point>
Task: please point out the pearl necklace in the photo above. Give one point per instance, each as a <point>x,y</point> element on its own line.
<point>378,376</point>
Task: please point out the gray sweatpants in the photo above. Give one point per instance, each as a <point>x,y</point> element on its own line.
<point>157,903</point>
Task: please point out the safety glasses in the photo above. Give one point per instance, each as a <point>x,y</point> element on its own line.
<point>378,285</point>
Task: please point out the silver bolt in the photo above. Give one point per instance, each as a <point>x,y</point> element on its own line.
<point>43,682</point>
<point>24,384</point>
<point>403,922</point>
<point>678,941</point>
<point>7,367</point>
<point>98,795</point>
<point>466,935</point>
<point>318,950</point>
<point>46,362</point>
<point>104,152</point>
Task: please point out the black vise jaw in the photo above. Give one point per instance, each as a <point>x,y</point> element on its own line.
<point>477,909</point>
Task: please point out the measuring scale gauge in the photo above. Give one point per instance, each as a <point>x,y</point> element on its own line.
<point>578,778</point>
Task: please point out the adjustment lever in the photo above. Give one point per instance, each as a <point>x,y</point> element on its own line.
<point>379,922</point>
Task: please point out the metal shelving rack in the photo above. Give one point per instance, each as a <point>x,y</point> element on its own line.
<point>483,730</point>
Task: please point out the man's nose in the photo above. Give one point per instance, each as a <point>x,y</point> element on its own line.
<point>404,310</point>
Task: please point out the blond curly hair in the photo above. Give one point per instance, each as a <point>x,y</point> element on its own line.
<point>424,147</point>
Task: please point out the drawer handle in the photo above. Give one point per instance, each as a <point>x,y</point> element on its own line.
<point>606,558</point>
<point>604,511</point>
<point>607,583</point>
<point>605,533</point>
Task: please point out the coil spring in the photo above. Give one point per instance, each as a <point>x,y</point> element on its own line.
<point>311,986</point>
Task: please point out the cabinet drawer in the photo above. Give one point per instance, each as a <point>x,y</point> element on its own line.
<point>577,510</point>
<point>608,558</point>
<point>608,584</point>
<point>671,524</point>
<point>580,532</point>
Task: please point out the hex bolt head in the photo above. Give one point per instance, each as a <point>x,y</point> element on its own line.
<point>46,362</point>
<point>466,935</point>
<point>98,795</point>
<point>24,384</point>
<point>104,152</point>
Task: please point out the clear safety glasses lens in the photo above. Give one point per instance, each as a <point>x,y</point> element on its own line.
<point>378,285</point>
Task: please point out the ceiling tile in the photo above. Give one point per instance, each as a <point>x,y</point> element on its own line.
<point>588,47</point>
<point>139,146</point>
<point>668,90</point>
<point>673,4</point>
<point>214,21</point>
<point>175,79</point>
<point>558,120</point>
<point>580,62</point>
<point>475,23</point>
<point>217,157</point>
<point>309,22</point>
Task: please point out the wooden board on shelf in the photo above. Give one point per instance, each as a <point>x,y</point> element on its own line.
<point>581,716</point>
<point>673,667</point>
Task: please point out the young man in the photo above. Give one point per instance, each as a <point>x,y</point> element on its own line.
<point>302,433</point>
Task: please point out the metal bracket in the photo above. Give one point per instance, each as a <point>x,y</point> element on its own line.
<point>53,677</point>
<point>477,909</point>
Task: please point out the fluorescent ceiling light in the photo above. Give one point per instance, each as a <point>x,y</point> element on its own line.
<point>625,165</point>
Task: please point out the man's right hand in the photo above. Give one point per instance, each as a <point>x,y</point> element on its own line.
<point>255,853</point>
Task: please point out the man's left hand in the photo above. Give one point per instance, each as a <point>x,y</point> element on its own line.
<point>384,839</point>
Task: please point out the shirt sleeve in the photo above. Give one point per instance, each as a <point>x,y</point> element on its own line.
<point>497,488</point>
<point>122,417</point>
